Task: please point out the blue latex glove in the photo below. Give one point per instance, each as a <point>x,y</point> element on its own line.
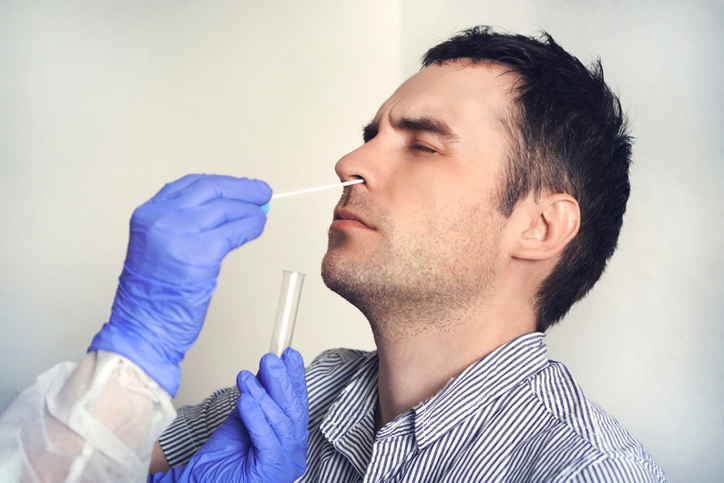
<point>177,242</point>
<point>265,438</point>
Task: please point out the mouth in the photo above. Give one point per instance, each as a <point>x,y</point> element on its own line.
<point>345,218</point>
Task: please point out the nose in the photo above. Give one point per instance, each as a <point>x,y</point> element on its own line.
<point>366,162</point>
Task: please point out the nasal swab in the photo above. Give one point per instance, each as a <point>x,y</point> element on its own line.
<point>318,188</point>
<point>265,206</point>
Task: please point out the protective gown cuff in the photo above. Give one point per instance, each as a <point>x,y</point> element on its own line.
<point>143,353</point>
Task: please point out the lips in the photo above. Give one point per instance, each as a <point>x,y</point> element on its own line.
<point>346,218</point>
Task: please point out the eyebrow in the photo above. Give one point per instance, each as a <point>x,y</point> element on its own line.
<point>418,124</point>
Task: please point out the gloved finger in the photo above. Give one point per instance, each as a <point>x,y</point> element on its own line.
<point>233,234</point>
<point>295,368</point>
<point>271,458</point>
<point>231,433</point>
<point>277,381</point>
<point>195,253</point>
<point>281,425</point>
<point>175,186</point>
<point>211,187</point>
<point>206,216</point>
<point>295,371</point>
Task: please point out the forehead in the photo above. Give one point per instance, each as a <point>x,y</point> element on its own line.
<point>460,93</point>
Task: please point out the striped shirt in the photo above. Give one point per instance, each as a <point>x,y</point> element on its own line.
<point>512,416</point>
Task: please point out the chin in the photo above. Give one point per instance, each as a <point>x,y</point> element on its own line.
<point>331,270</point>
<point>342,277</point>
<point>339,265</point>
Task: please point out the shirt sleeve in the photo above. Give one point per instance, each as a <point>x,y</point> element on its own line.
<point>195,424</point>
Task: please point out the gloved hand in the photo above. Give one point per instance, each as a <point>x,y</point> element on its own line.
<point>177,242</point>
<point>265,438</point>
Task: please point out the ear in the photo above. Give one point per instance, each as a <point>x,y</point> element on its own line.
<point>547,225</point>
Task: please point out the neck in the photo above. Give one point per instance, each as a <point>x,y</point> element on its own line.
<point>415,363</point>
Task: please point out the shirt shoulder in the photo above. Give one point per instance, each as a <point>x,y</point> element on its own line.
<point>605,448</point>
<point>613,469</point>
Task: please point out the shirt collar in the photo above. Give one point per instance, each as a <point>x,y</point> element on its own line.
<point>479,385</point>
<point>349,423</point>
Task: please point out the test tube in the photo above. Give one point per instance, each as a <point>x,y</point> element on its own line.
<point>286,311</point>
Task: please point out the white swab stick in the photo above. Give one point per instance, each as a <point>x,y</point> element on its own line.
<point>309,190</point>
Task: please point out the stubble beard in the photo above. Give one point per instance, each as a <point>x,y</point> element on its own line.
<point>406,285</point>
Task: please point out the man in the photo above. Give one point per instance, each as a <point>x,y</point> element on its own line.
<point>495,182</point>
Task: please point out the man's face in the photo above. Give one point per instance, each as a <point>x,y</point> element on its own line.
<point>421,236</point>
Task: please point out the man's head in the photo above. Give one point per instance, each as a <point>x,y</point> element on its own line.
<point>567,135</point>
<point>449,161</point>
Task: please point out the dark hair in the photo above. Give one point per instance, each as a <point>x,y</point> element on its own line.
<point>568,134</point>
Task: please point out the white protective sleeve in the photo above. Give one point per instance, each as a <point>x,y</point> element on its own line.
<point>95,421</point>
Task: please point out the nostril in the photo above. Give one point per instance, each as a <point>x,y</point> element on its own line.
<point>358,180</point>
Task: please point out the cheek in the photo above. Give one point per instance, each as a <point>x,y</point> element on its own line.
<point>467,232</point>
<point>444,195</point>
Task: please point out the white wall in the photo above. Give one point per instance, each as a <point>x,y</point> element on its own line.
<point>104,102</point>
<point>101,103</point>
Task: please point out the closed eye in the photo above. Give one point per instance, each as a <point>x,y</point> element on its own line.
<point>422,147</point>
<point>369,131</point>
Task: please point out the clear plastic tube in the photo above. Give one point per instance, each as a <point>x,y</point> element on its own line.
<point>289,296</point>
